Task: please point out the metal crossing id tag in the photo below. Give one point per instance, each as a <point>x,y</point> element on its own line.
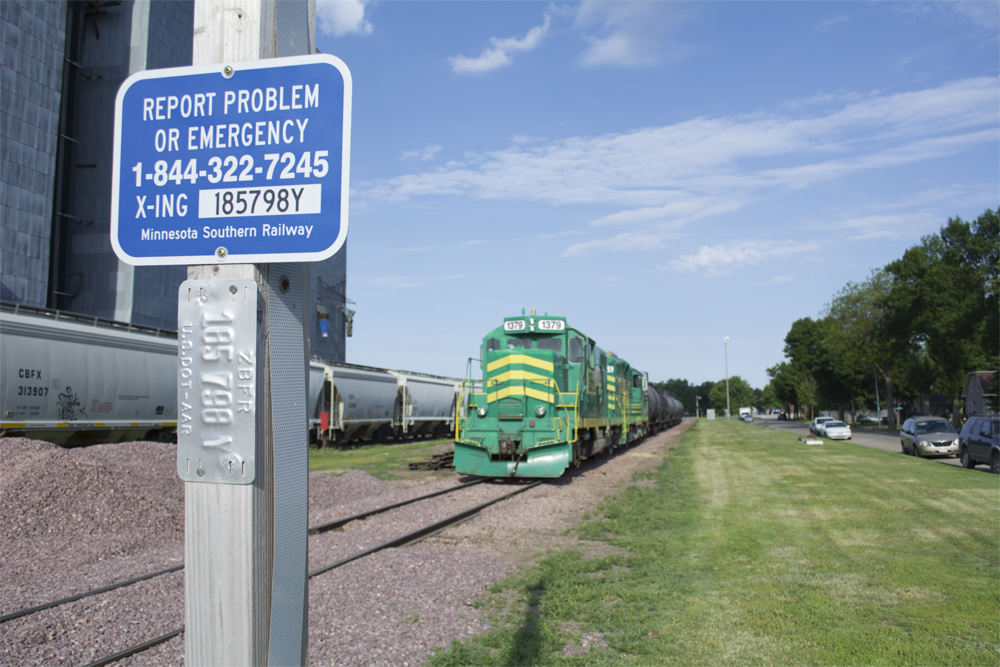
<point>217,380</point>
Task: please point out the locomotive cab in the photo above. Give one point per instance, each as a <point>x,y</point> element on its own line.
<point>550,397</point>
<point>519,424</point>
<point>542,380</point>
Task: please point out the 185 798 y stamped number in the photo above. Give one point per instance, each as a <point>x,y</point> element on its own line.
<point>216,380</point>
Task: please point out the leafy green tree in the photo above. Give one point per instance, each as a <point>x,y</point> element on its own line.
<point>769,397</point>
<point>859,332</point>
<point>811,363</point>
<point>783,382</point>
<point>740,395</point>
<point>704,390</point>
<point>942,305</point>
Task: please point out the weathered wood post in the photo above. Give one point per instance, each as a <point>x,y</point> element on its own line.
<point>246,598</point>
<point>196,181</point>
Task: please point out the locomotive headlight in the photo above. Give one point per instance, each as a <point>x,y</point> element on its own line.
<point>540,411</point>
<point>481,411</point>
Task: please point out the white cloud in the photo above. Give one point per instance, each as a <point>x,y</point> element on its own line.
<point>979,14</point>
<point>982,14</point>
<point>676,213</point>
<point>721,259</point>
<point>627,33</point>
<point>778,280</point>
<point>897,226</point>
<point>498,55</point>
<point>663,178</point>
<point>424,154</point>
<point>340,17</point>
<point>650,239</point>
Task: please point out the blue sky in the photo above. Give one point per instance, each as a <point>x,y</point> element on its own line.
<point>663,174</point>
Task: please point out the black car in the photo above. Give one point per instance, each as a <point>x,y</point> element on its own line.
<point>979,442</point>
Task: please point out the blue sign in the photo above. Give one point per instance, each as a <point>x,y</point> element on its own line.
<point>232,163</point>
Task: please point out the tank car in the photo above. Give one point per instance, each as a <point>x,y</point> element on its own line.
<point>675,410</point>
<point>72,379</point>
<point>550,398</point>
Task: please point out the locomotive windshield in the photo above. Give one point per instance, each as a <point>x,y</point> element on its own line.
<point>544,343</point>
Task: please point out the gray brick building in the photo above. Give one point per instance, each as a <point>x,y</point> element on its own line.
<point>61,65</point>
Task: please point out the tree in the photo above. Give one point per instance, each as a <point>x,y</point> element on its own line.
<point>926,319</point>
<point>704,390</point>
<point>769,397</point>
<point>740,394</point>
<point>783,384</point>
<point>942,305</point>
<point>859,330</point>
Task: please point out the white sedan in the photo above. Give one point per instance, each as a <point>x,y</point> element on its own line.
<point>834,430</point>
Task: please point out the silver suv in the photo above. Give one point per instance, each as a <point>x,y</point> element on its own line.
<point>979,442</point>
<point>928,436</point>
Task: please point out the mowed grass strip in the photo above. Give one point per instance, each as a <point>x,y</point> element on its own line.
<point>748,547</point>
<point>384,461</point>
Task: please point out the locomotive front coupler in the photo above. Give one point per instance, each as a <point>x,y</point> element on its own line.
<point>507,446</point>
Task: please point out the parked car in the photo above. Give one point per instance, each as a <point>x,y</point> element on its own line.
<point>816,423</point>
<point>747,418</point>
<point>835,430</point>
<point>979,442</point>
<point>928,436</point>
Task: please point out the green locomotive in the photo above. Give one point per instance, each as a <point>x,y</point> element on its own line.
<point>549,398</point>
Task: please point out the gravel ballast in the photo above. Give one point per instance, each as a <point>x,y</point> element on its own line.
<point>78,519</point>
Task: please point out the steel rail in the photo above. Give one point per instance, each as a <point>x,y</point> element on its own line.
<point>333,525</point>
<point>409,538</point>
<point>426,531</point>
<point>315,530</point>
<point>138,648</point>
<point>80,596</point>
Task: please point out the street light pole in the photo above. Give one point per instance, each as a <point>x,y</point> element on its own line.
<point>725,348</point>
<point>696,399</point>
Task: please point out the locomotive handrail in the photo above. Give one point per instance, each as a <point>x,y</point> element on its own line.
<point>468,381</point>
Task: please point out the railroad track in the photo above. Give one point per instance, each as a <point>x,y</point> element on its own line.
<point>410,537</point>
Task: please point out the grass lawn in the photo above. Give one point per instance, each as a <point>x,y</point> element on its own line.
<point>384,461</point>
<point>747,547</point>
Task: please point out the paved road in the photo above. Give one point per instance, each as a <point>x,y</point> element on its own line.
<point>887,441</point>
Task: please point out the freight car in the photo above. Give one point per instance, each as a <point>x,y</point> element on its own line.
<point>350,402</point>
<point>75,379</point>
<point>72,379</point>
<point>551,398</point>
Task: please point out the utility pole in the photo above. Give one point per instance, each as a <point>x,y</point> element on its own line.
<point>878,407</point>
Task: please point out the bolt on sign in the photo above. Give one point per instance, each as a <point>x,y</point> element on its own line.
<point>232,163</point>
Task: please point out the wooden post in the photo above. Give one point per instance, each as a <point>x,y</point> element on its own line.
<point>245,544</point>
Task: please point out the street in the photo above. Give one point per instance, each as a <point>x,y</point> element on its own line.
<point>887,441</point>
